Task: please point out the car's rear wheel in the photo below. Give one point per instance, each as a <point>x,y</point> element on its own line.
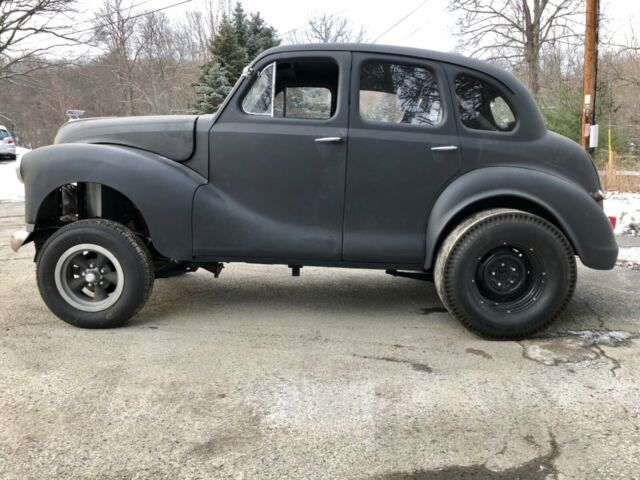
<point>94,273</point>
<point>505,274</point>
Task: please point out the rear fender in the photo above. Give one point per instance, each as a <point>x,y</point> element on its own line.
<point>567,205</point>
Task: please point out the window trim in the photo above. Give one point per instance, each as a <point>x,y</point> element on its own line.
<point>273,91</point>
<point>407,62</point>
<point>317,56</point>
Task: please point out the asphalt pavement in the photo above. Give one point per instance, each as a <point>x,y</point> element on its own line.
<point>337,374</point>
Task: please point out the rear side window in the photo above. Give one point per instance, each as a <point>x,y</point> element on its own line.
<point>399,93</point>
<point>482,106</point>
<point>4,134</point>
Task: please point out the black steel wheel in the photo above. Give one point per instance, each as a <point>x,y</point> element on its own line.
<point>505,274</point>
<point>94,273</point>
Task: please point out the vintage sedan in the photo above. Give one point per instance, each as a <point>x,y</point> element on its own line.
<point>414,162</point>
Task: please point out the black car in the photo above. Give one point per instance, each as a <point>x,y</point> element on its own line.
<point>419,163</point>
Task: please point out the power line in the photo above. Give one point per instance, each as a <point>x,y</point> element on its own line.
<point>143,14</point>
<point>401,20</point>
<point>307,24</point>
<point>33,42</point>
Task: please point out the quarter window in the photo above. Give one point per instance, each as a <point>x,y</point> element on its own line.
<point>399,93</point>
<point>482,106</point>
<point>259,100</point>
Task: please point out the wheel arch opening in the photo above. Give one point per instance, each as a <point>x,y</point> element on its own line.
<point>498,201</point>
<point>81,200</point>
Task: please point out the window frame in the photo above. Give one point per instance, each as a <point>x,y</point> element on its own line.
<point>273,64</point>
<point>446,126</point>
<point>297,57</point>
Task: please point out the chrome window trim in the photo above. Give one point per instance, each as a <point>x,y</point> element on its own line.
<point>273,90</point>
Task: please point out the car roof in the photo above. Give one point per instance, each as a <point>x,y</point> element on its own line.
<point>443,57</point>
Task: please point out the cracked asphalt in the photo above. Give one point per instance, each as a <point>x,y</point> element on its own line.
<point>338,374</point>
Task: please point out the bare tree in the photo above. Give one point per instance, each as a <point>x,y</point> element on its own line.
<point>30,28</point>
<point>517,31</point>
<point>202,25</point>
<point>115,30</point>
<point>327,28</point>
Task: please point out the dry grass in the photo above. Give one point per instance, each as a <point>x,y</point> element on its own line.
<point>614,179</point>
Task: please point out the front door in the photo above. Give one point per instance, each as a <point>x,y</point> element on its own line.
<point>402,151</point>
<point>277,164</point>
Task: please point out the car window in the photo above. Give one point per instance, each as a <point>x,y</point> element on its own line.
<point>259,100</point>
<point>4,134</point>
<point>303,102</point>
<point>399,93</point>
<point>303,89</point>
<point>482,106</point>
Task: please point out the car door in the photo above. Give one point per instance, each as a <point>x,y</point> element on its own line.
<point>403,148</point>
<point>277,164</point>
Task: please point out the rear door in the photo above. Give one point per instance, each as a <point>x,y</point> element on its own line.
<point>403,148</point>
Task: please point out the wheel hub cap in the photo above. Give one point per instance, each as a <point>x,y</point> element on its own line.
<point>91,277</point>
<point>503,274</point>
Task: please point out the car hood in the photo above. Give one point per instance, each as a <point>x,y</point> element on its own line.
<point>171,136</point>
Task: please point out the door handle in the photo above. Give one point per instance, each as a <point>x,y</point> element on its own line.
<point>445,148</point>
<point>328,140</point>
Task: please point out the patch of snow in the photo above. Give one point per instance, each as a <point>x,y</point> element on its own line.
<point>11,189</point>
<point>625,207</point>
<point>629,257</point>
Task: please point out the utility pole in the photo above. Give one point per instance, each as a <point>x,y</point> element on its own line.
<point>589,76</point>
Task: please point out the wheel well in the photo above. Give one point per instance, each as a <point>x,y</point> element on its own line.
<point>503,201</point>
<point>78,201</point>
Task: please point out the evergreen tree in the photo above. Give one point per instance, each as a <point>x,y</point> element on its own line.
<point>260,36</point>
<point>227,51</point>
<point>235,42</point>
<point>240,24</point>
<point>213,88</point>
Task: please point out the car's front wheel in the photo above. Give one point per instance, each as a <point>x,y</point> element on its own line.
<point>94,273</point>
<point>505,274</point>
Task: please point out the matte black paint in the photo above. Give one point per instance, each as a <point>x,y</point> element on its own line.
<point>161,189</point>
<point>261,190</point>
<point>169,136</point>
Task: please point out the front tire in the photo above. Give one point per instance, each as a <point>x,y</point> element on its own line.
<point>505,274</point>
<point>94,273</point>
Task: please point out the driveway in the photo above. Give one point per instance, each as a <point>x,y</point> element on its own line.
<point>337,374</point>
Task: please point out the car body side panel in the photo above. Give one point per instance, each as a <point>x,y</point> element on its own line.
<point>161,189</point>
<point>579,215</point>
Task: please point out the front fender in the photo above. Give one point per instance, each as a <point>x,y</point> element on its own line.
<point>161,189</point>
<point>578,215</point>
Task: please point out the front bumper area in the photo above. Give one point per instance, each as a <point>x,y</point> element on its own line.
<point>20,237</point>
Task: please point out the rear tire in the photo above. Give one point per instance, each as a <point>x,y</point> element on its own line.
<point>94,273</point>
<point>505,274</point>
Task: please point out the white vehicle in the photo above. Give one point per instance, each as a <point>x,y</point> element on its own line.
<point>7,145</point>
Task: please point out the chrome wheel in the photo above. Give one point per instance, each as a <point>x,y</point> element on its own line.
<point>89,277</point>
